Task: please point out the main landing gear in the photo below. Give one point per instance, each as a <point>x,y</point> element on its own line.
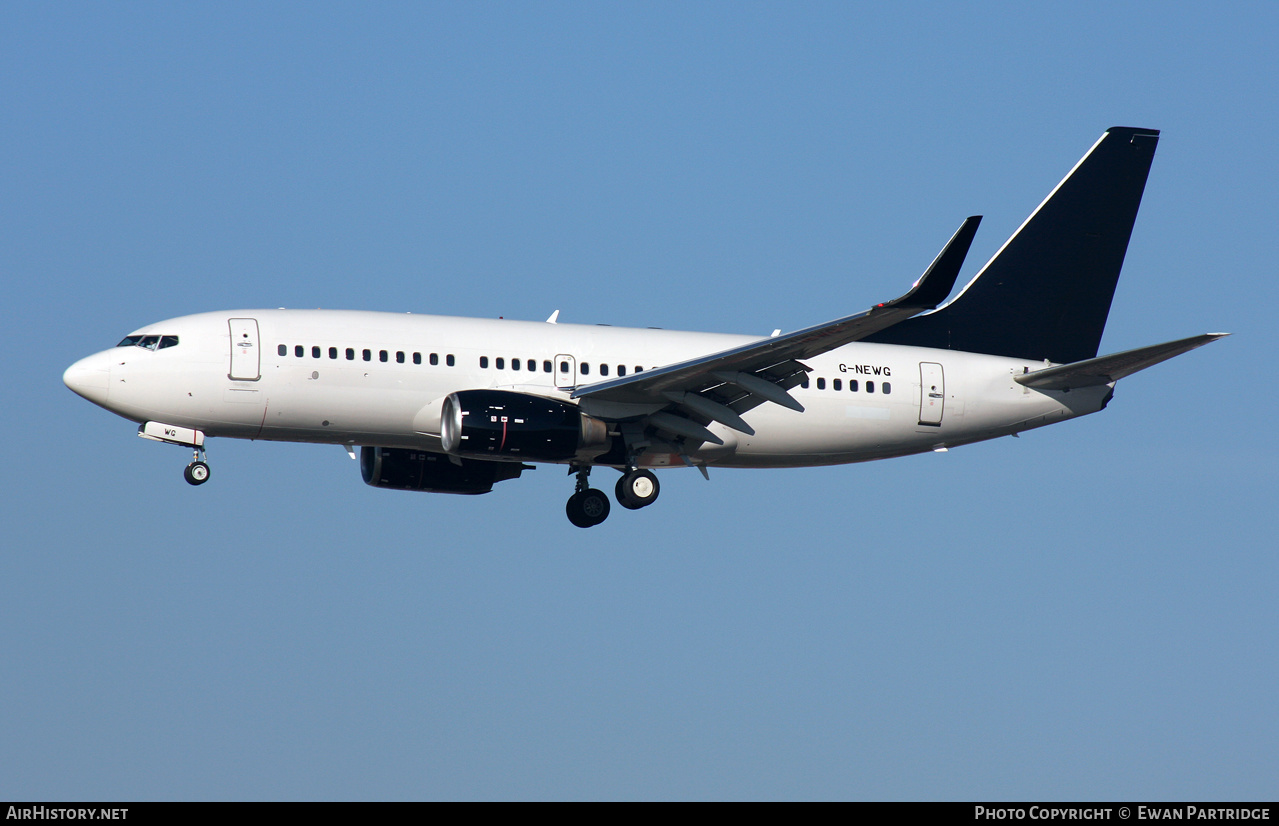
<point>589,506</point>
<point>197,473</point>
<point>637,489</point>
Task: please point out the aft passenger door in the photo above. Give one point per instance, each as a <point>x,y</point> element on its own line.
<point>246,363</point>
<point>932,393</point>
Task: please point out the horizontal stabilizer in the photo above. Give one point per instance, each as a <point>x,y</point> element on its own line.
<point>1107,369</point>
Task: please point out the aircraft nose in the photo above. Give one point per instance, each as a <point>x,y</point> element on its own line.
<point>90,377</point>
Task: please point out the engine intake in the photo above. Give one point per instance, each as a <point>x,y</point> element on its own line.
<point>400,469</point>
<point>491,423</point>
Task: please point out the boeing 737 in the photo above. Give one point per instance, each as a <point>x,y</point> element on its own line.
<point>456,405</point>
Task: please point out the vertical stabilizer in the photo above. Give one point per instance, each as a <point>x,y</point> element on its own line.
<point>1047,292</point>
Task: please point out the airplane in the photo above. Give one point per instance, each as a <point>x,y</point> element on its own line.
<point>455,405</point>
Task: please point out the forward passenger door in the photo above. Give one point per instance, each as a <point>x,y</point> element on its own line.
<point>246,362</point>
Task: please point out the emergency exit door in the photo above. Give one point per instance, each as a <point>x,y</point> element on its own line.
<point>565,372</point>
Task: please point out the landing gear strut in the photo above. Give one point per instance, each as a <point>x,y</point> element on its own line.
<point>587,507</point>
<point>197,473</point>
<point>637,489</point>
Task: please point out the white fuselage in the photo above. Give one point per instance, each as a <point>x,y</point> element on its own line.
<point>369,378</point>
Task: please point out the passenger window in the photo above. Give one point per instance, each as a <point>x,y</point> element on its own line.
<point>564,367</point>
<point>282,350</point>
<point>515,364</point>
<point>333,352</point>
<point>299,350</point>
<point>804,382</point>
<point>870,387</point>
<point>315,352</point>
<point>886,388</point>
<point>381,354</point>
<point>621,369</point>
<point>586,369</point>
<point>435,359</point>
<point>368,355</point>
<point>603,369</point>
<point>417,358</point>
<point>449,359</point>
<point>546,367</point>
<point>836,384</point>
<point>399,356</point>
<point>639,369</point>
<point>821,384</point>
<point>852,385</point>
<point>350,354</point>
<point>499,363</point>
<point>532,366</point>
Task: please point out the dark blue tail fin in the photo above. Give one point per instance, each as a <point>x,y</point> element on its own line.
<point>1047,292</point>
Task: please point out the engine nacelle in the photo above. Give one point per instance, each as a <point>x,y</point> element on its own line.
<point>492,423</point>
<point>400,469</point>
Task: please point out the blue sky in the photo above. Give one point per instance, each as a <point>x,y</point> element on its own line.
<point>1087,612</point>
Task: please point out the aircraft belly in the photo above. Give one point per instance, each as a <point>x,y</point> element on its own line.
<point>828,432</point>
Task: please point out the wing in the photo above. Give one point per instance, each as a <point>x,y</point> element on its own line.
<point>721,386</point>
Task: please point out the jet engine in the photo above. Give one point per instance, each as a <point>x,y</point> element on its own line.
<point>400,469</point>
<point>501,423</point>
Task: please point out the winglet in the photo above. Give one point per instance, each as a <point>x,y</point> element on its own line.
<point>939,279</point>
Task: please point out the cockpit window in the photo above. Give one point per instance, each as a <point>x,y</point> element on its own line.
<point>149,342</point>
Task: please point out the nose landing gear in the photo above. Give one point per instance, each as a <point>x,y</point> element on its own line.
<point>197,473</point>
